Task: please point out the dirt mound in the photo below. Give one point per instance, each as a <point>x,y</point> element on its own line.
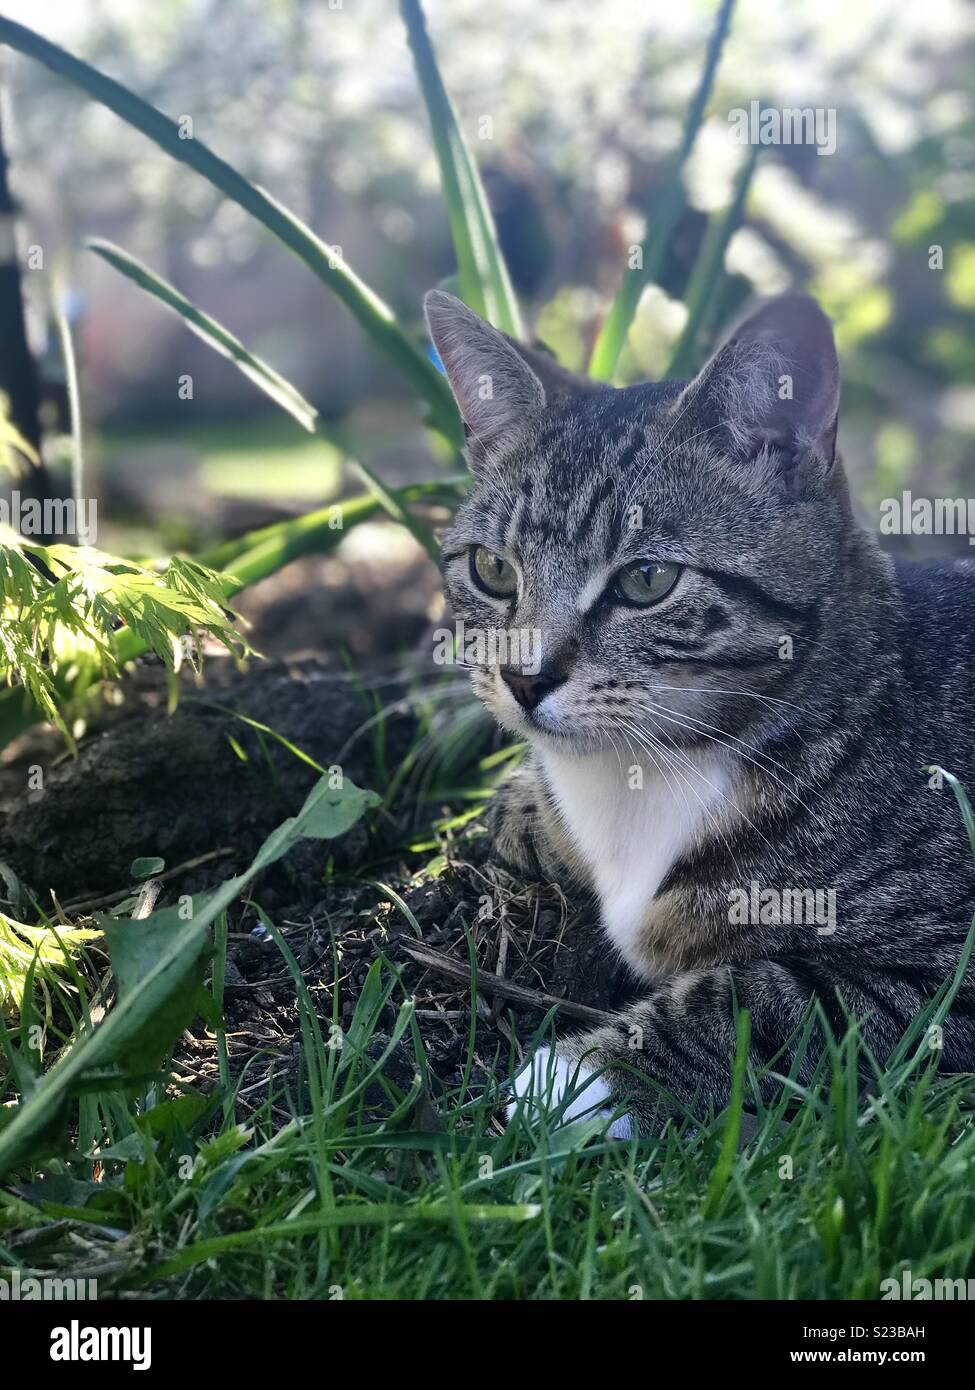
<point>200,780</point>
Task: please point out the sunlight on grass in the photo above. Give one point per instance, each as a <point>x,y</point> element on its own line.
<point>308,471</point>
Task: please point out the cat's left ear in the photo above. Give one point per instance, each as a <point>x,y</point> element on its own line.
<point>776,381</point>
<point>497,392</point>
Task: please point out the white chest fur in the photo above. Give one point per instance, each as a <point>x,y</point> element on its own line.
<point>630,824</point>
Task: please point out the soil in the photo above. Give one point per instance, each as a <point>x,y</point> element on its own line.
<point>199,784</point>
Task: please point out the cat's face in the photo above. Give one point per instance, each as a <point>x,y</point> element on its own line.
<point>648,564</point>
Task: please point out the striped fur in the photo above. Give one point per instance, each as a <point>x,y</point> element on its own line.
<point>765,724</point>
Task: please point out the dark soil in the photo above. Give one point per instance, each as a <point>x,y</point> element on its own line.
<point>199,784</point>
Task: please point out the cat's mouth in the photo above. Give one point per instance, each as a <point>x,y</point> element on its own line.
<point>539,723</point>
<point>542,723</point>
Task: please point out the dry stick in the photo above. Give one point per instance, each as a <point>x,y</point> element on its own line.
<point>494,984</point>
<point>86,904</point>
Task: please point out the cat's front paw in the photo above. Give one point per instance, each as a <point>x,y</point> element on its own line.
<point>512,820</point>
<point>547,1080</point>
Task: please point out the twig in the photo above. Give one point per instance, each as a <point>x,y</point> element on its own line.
<point>86,904</point>
<point>494,984</point>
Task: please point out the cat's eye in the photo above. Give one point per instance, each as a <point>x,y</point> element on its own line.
<point>492,573</point>
<point>645,582</point>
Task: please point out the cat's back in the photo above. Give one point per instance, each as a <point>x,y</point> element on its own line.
<point>938,654</point>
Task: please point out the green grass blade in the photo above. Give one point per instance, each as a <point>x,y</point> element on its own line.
<point>964,805</point>
<point>393,507</point>
<point>263,376</point>
<point>373,315</point>
<point>358,1214</point>
<point>662,217</point>
<point>732,1125</point>
<point>483,281</point>
<point>708,271</point>
<point>212,333</point>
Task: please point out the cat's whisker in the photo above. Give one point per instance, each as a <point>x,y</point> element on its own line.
<point>721,833</point>
<point>616,748</point>
<point>633,732</point>
<point>746,819</point>
<point>689,762</point>
<point>651,748</point>
<point>736,742</point>
<point>710,738</point>
<point>722,690</point>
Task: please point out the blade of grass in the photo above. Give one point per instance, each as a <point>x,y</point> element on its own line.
<point>708,270</point>
<point>662,217</point>
<point>207,328</point>
<point>732,1127</point>
<point>484,283</point>
<point>373,315</point>
<point>352,1214</point>
<point>263,376</point>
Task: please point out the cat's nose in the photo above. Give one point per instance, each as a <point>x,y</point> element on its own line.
<point>529,691</point>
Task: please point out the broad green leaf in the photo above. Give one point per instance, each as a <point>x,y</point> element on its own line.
<point>152,966</point>
<point>483,280</point>
<point>373,315</point>
<point>328,812</point>
<point>135,947</point>
<point>172,1116</point>
<point>662,217</point>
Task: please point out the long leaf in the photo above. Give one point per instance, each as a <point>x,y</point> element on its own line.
<point>708,270</point>
<point>212,333</point>
<point>662,217</point>
<point>373,315</point>
<point>288,397</point>
<point>484,283</point>
<point>326,813</point>
<point>347,1215</point>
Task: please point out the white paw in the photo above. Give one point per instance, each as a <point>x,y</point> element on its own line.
<point>547,1078</point>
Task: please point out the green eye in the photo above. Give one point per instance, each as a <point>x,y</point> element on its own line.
<point>492,573</point>
<point>645,582</point>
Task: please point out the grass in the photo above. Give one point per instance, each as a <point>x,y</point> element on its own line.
<point>359,1177</point>
<point>337,1203</point>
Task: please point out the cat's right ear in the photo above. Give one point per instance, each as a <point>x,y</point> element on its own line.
<point>775,383</point>
<point>496,391</point>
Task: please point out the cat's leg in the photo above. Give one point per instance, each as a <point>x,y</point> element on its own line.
<point>528,838</point>
<point>677,1045</point>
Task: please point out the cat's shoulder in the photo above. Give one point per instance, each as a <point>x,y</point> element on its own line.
<point>937,638</point>
<point>946,588</point>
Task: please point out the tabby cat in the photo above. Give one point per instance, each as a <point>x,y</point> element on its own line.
<point>736,698</point>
